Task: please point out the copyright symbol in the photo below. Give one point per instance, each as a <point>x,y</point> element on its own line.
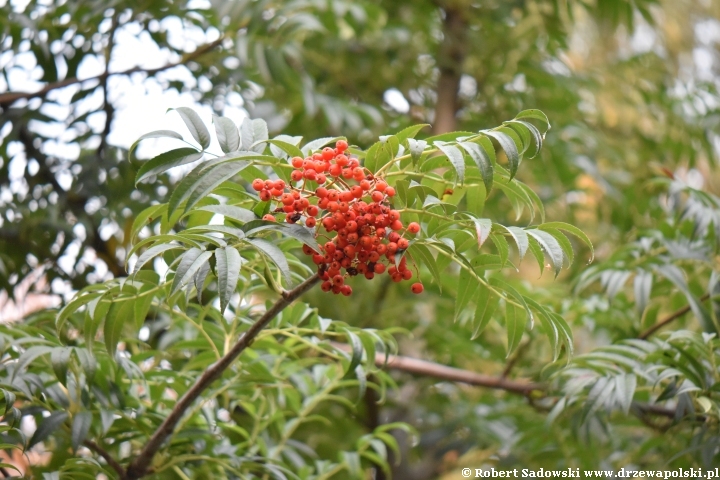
<point>466,472</point>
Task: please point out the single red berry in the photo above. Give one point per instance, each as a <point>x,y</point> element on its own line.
<point>296,175</point>
<point>346,290</point>
<point>396,225</point>
<point>417,288</point>
<point>326,286</point>
<point>297,162</point>
<point>338,280</point>
<point>390,191</point>
<point>413,227</point>
<point>310,222</point>
<point>406,274</point>
<point>265,195</point>
<point>258,185</point>
<point>321,178</point>
<point>341,145</point>
<point>377,197</point>
<point>269,218</point>
<point>321,192</point>
<point>403,244</point>
<point>327,153</point>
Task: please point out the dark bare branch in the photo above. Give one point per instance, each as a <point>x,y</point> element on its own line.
<point>7,99</point>
<point>106,456</point>
<point>670,318</point>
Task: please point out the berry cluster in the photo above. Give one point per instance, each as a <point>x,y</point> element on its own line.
<point>352,204</point>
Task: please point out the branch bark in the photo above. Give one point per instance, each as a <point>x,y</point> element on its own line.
<point>670,318</point>
<point>139,467</point>
<point>105,455</point>
<point>443,372</point>
<point>7,99</point>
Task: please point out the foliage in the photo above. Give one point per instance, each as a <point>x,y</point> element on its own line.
<point>631,88</point>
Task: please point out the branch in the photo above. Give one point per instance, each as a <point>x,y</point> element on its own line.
<point>104,454</point>
<point>7,99</point>
<point>443,372</point>
<point>107,105</point>
<point>139,467</point>
<point>670,318</point>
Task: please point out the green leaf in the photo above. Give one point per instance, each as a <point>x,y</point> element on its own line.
<point>566,227</point>
<point>310,147</point>
<point>521,239</point>
<point>564,243</point>
<point>487,302</point>
<point>483,226</point>
<point>227,134</point>
<point>482,160</point>
<point>239,214</point>
<point>502,247</point>
<point>276,255</point>
<point>210,179</point>
<point>190,263</point>
<point>508,145</point>
<point>72,307</point>
<point>80,428</point>
<point>549,326</point>
<point>59,359</point>
<point>196,126</point>
<point>383,154</point>
<point>536,115</point>
<point>455,156</point>
<point>422,255</point>
<point>199,280</point>
<point>410,132</point>
<point>145,217</point>
<point>467,287</point>
<point>357,352</point>
<point>260,135</point>
<point>537,252</point>
<point>152,252</point>
<point>290,149</point>
<point>550,246</point>
<point>526,131</point>
<point>166,161</point>
<point>642,285</point>
<point>47,427</point>
<point>120,314</point>
<point>515,324</point>
<point>675,275</point>
<point>228,264</point>
<point>155,134</point>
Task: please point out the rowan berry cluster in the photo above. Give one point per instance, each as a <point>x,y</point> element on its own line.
<point>362,230</point>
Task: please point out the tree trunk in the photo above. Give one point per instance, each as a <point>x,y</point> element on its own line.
<point>450,58</point>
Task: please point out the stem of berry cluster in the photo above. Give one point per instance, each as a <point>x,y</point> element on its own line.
<point>140,466</point>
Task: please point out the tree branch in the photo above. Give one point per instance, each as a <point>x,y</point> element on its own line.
<point>670,318</point>
<point>107,105</point>
<point>6,99</point>
<point>108,458</point>
<point>139,467</point>
<point>443,372</point>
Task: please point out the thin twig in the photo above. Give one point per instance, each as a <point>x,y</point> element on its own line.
<point>108,458</point>
<point>670,318</point>
<point>139,467</point>
<point>7,99</point>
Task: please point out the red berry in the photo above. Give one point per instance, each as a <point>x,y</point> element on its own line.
<point>341,145</point>
<point>265,195</point>
<point>413,227</point>
<point>310,222</point>
<point>258,185</point>
<point>390,191</point>
<point>346,290</point>
<point>321,192</point>
<point>327,153</point>
<point>417,288</point>
<point>396,225</point>
<point>297,162</point>
<point>377,197</point>
<point>380,186</point>
<point>296,175</point>
<point>403,244</point>
<point>269,218</point>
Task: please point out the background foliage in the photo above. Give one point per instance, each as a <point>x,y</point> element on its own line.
<point>631,91</point>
